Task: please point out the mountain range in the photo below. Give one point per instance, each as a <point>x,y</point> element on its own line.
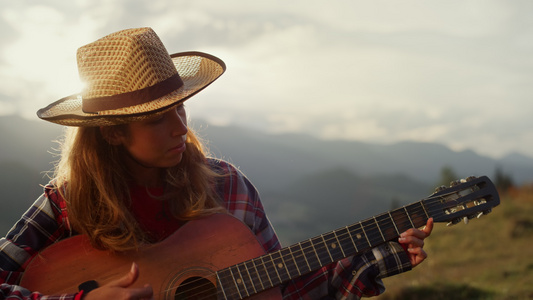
<point>308,186</point>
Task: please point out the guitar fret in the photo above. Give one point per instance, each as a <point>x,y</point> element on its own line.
<point>345,240</point>
<point>402,220</point>
<point>243,280</point>
<point>315,252</point>
<point>339,243</point>
<point>425,211</point>
<point>313,260</point>
<point>275,269</point>
<point>227,280</point>
<point>377,225</point>
<point>409,217</point>
<point>295,262</point>
<point>236,283</point>
<point>304,256</point>
<point>258,274</point>
<point>322,251</point>
<point>351,238</point>
<point>290,264</point>
<point>371,232</point>
<point>358,234</point>
<point>280,266</point>
<point>327,248</point>
<point>266,271</point>
<point>418,213</point>
<point>394,223</point>
<point>387,227</point>
<point>334,247</point>
<point>369,243</point>
<point>252,280</point>
<point>221,287</point>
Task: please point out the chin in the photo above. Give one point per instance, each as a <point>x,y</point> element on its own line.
<point>175,162</point>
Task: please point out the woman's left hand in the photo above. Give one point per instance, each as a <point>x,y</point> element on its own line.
<point>413,242</point>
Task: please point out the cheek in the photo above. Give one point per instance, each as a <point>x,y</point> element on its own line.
<point>143,142</point>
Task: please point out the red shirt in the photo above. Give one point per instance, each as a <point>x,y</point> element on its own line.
<point>152,213</point>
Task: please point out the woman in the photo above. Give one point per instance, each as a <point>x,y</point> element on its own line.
<point>131,173</point>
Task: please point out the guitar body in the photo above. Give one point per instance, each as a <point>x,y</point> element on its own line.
<point>218,257</point>
<point>188,258</point>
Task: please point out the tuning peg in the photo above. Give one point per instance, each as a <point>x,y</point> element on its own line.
<point>440,188</point>
<point>455,182</point>
<point>470,178</point>
<point>465,219</point>
<point>479,214</point>
<point>454,221</point>
<point>480,201</point>
<point>488,211</point>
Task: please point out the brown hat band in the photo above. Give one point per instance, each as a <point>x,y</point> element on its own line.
<point>158,90</point>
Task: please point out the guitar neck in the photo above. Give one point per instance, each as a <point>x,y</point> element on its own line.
<point>262,273</point>
<point>176,266</point>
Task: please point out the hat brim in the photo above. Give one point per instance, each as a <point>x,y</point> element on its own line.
<point>196,69</point>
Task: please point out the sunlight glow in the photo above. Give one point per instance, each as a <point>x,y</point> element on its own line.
<point>42,57</point>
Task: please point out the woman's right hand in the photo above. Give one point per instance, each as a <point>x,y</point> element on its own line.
<point>120,288</point>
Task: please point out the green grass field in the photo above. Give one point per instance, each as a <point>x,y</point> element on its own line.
<point>488,258</point>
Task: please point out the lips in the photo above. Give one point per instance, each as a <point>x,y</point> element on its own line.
<point>180,148</point>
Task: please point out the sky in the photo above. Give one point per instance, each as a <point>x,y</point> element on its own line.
<point>454,72</point>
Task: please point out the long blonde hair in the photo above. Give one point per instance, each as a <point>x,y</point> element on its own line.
<point>93,179</point>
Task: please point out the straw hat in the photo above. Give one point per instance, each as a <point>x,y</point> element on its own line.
<point>129,76</point>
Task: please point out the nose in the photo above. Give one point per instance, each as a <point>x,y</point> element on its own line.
<point>179,122</point>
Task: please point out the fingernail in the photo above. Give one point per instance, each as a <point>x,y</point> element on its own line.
<point>133,267</point>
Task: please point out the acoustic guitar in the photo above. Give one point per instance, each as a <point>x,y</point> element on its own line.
<point>218,257</point>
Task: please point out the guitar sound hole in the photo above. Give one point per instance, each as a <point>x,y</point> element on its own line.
<point>196,288</point>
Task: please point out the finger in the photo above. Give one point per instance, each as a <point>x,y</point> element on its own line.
<point>412,241</point>
<point>425,232</point>
<point>417,255</point>
<point>145,292</point>
<point>413,232</point>
<point>429,227</point>
<point>127,279</point>
<point>417,251</point>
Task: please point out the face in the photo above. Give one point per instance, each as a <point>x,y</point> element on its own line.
<point>159,142</point>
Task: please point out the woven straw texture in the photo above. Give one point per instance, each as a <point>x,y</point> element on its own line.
<point>128,61</point>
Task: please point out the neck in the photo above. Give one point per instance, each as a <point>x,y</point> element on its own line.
<point>142,174</point>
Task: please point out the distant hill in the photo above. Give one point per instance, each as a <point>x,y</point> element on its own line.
<point>308,185</point>
<point>287,156</point>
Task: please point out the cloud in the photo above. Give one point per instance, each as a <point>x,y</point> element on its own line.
<point>453,72</point>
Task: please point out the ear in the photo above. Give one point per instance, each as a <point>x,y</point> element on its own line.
<point>112,134</point>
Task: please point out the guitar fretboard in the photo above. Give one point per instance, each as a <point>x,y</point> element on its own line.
<point>270,270</point>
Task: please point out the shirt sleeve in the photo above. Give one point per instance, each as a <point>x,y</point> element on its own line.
<point>242,200</point>
<point>40,226</point>
<point>350,278</point>
<point>15,292</point>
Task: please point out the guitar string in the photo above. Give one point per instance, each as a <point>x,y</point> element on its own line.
<point>340,237</point>
<point>235,294</point>
<point>372,236</point>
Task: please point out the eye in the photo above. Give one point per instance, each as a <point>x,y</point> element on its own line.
<point>156,120</point>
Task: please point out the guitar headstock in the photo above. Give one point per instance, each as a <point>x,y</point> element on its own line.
<point>465,199</point>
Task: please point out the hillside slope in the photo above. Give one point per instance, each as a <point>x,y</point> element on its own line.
<point>489,258</point>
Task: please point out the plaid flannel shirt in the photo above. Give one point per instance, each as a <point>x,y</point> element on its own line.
<point>46,222</point>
